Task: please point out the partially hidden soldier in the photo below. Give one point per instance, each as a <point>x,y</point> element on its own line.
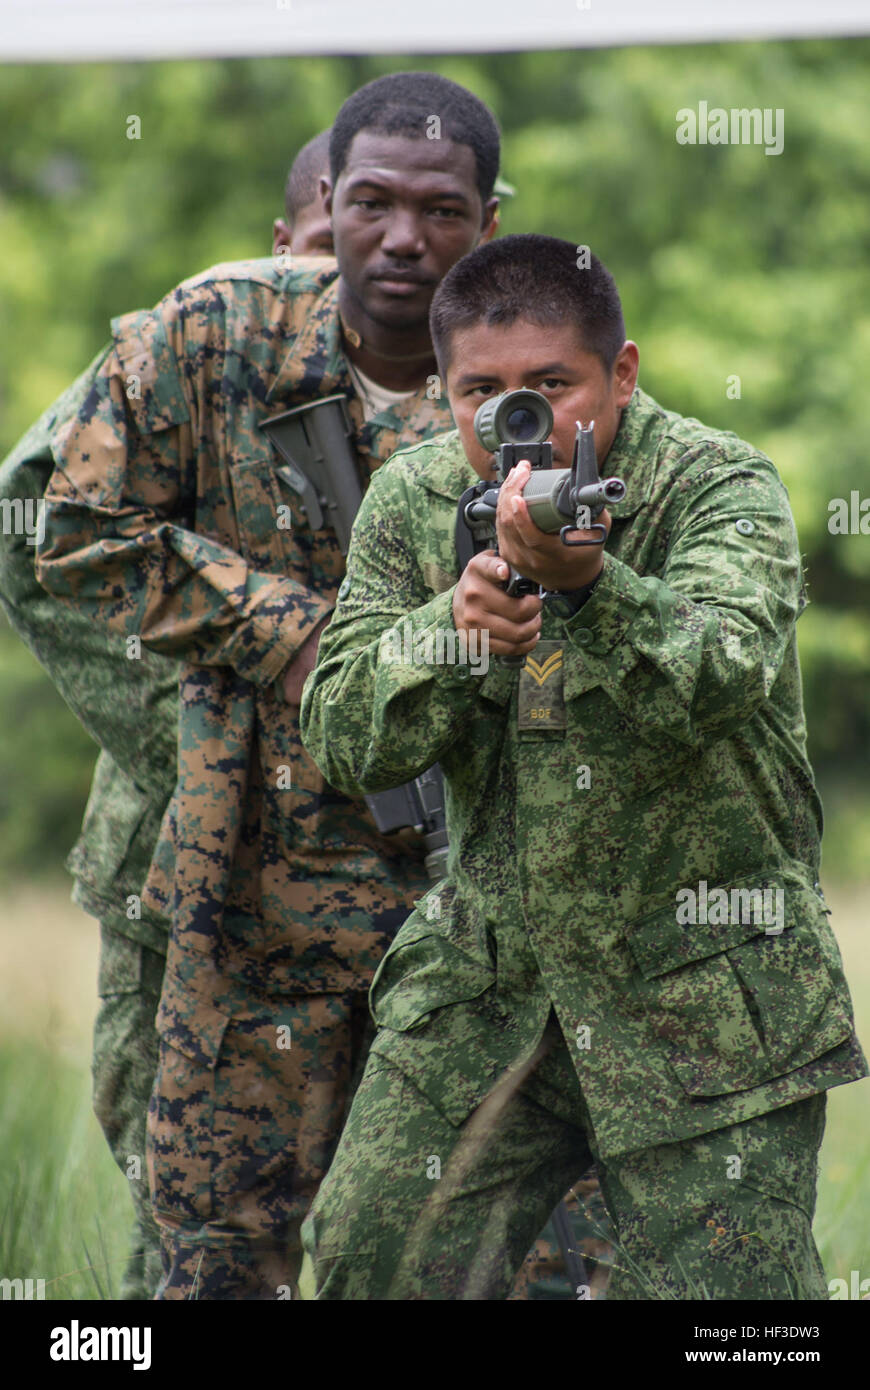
<point>167,519</point>
<point>305,228</point>
<point>128,702</point>
<point>629,959</point>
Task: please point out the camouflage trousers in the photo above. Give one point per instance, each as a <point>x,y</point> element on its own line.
<point>415,1207</point>
<point>244,1120</point>
<point>123,1067</point>
<point>245,1115</point>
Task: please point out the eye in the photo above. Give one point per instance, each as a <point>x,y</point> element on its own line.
<point>550,383</point>
<point>447,212</point>
<point>368,204</point>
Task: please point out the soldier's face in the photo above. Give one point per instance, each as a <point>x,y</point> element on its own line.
<point>485,361</point>
<point>403,212</point>
<point>312,231</point>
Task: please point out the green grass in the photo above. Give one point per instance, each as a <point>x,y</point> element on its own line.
<point>64,1213</point>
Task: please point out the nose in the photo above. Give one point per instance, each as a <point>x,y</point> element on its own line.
<point>403,236</point>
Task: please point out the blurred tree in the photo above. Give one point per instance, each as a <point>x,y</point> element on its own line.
<point>745,279</point>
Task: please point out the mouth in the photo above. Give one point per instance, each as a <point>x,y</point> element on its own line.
<point>401,282</point>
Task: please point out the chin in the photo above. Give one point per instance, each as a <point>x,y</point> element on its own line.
<point>398,314</point>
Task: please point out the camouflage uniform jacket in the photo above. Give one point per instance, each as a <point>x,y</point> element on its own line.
<point>664,746</point>
<point>167,519</point>
<point>129,708</point>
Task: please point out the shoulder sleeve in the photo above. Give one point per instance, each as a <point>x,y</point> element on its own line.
<point>128,707</point>
<point>690,655</point>
<point>380,707</point>
<point>119,541</point>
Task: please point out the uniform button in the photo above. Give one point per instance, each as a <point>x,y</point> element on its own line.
<point>745,527</point>
<point>344,588</point>
<point>462,672</point>
<point>583,636</point>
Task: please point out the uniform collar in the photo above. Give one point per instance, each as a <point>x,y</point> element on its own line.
<point>316,366</point>
<point>632,453</point>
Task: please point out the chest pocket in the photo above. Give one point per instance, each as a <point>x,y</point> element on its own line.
<point>269,518</point>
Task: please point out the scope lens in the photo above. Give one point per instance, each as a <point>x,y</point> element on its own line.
<point>523,425</point>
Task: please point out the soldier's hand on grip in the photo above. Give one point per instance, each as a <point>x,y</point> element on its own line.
<point>480,601</point>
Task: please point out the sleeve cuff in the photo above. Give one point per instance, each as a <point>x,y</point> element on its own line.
<point>276,630</point>
<point>606,616</point>
<point>425,646</point>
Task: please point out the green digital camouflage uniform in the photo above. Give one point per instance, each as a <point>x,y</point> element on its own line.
<point>130,709</point>
<point>654,740</point>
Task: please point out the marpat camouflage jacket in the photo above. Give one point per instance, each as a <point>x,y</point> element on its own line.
<point>167,519</point>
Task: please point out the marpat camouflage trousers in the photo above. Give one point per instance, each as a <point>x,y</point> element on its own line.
<point>123,1067</point>
<point>417,1208</point>
<point>243,1122</point>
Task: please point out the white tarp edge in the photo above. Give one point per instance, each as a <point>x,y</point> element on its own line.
<point>95,30</point>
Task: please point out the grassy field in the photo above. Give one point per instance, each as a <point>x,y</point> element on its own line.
<point>64,1209</point>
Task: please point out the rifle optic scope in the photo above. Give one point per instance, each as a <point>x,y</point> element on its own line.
<point>514,417</point>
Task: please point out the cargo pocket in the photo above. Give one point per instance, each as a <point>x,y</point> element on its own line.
<point>190,1025</point>
<point>181,1116</point>
<point>738,1003</point>
<point>422,973</point>
<point>446,1052</point>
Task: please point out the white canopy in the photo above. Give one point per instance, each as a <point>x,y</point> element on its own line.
<point>94,30</point>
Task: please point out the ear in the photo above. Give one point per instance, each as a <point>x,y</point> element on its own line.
<point>281,235</point>
<point>624,375</point>
<point>326,193</point>
<point>489,227</point>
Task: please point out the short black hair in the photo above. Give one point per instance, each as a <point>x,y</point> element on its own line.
<point>534,277</point>
<point>402,103</point>
<point>303,179</point>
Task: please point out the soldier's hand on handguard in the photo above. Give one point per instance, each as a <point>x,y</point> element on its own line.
<point>480,601</point>
<point>539,555</point>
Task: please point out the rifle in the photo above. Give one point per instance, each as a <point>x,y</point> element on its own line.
<point>320,466</point>
<point>516,426</point>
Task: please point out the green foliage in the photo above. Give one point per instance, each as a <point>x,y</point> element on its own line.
<point>731,262</point>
